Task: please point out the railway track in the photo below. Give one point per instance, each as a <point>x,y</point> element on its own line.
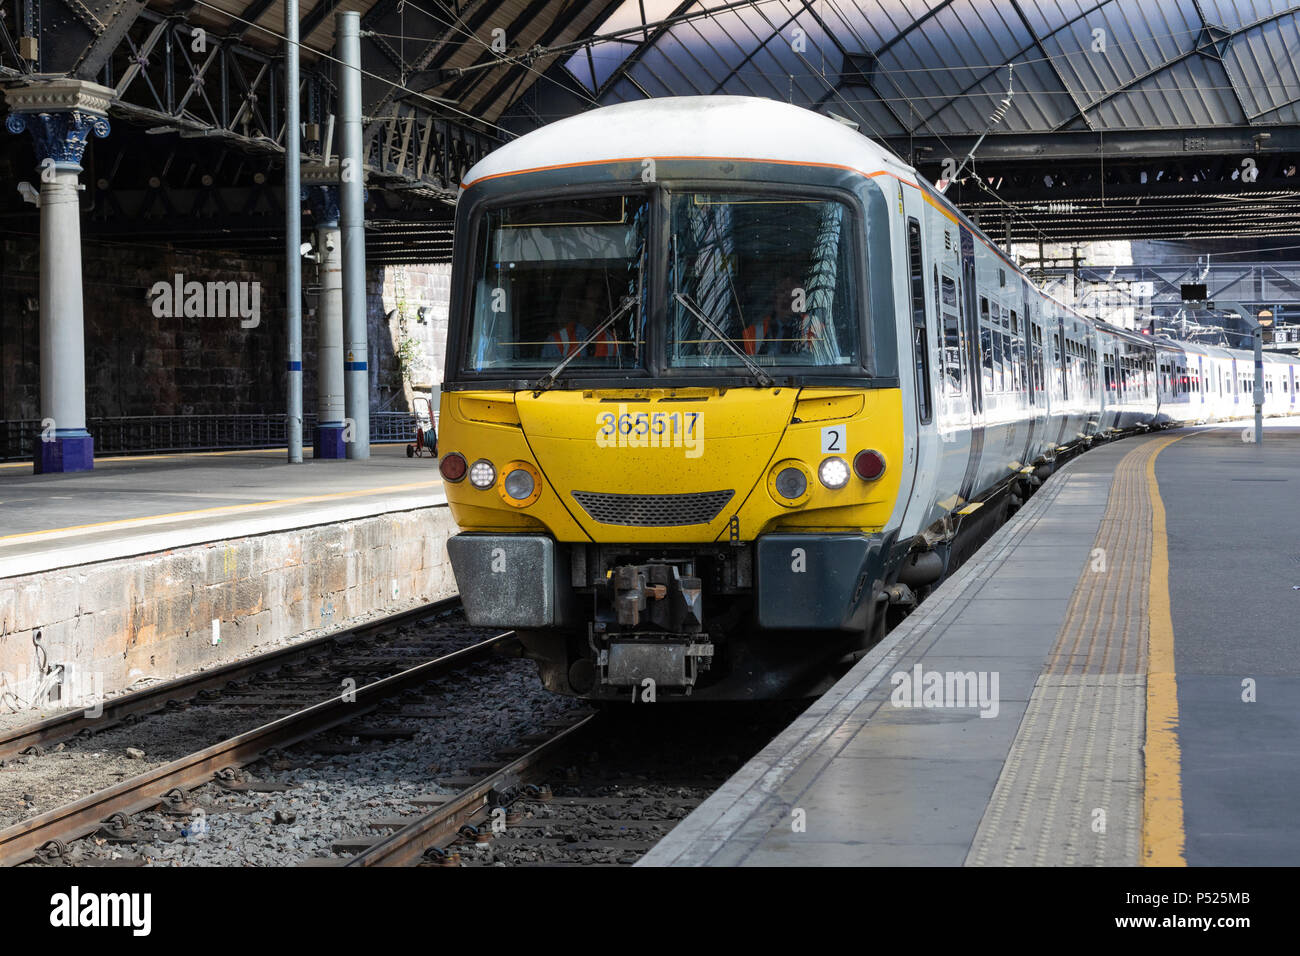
<point>579,788</point>
<point>33,739</point>
<point>274,683</point>
<point>600,789</point>
<point>45,837</point>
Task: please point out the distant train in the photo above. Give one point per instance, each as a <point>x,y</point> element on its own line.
<point>729,388</point>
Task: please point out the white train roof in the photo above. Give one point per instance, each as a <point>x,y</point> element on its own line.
<point>737,127</point>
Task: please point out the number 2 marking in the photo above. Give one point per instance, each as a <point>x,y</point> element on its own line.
<point>833,438</point>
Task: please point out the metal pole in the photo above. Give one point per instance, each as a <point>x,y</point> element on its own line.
<point>352,222</point>
<point>293,235</point>
<point>1258,336</point>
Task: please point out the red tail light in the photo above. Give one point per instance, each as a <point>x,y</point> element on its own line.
<point>453,466</point>
<point>869,465</point>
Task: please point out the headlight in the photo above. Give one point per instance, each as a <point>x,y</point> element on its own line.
<point>791,483</point>
<point>834,473</point>
<point>788,482</point>
<point>520,485</point>
<point>482,475</point>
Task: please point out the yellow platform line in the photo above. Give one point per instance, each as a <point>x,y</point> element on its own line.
<point>1163,836</point>
<point>224,509</point>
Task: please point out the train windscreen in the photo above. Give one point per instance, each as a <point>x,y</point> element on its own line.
<point>760,279</point>
<point>561,279</point>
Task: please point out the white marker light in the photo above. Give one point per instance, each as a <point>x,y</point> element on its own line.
<point>834,473</point>
<point>482,475</point>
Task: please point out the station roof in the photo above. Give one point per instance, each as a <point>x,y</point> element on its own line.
<point>941,68</point>
<point>1069,119</point>
<point>424,45</point>
<point>1082,119</point>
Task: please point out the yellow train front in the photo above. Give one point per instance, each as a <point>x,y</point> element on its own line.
<point>671,422</point>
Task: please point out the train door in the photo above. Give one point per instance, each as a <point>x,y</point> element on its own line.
<point>920,324</point>
<point>974,363</point>
<point>970,325</point>
<point>1200,376</point>
<point>932,423</point>
<point>1291,371</point>
<point>954,380</point>
<point>1024,364</point>
<point>1236,383</point>
<point>1062,353</point>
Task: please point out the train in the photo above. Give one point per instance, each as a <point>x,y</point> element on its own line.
<point>730,389</point>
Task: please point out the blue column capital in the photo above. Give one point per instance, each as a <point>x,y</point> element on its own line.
<point>60,135</point>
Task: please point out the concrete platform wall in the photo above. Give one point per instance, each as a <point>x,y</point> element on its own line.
<point>114,622</point>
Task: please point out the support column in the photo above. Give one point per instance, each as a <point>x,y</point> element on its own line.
<point>293,236</point>
<point>324,203</point>
<point>352,221</point>
<point>60,115</point>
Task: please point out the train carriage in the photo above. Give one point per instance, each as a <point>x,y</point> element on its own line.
<point>729,388</point>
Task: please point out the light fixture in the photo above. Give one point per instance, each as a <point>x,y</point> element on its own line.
<point>789,483</point>
<point>482,474</point>
<point>452,467</point>
<point>520,485</point>
<point>834,473</point>
<point>869,464</point>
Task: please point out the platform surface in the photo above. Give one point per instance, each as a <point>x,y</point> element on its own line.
<point>140,505</point>
<point>1128,614</point>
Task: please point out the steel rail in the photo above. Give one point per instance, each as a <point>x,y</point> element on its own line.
<point>63,726</point>
<point>20,842</point>
<point>440,825</point>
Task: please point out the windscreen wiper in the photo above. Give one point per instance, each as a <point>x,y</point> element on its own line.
<point>758,373</point>
<point>548,380</point>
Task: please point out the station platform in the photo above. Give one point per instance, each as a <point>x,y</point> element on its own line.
<point>134,505</point>
<point>156,566</point>
<point>1113,679</point>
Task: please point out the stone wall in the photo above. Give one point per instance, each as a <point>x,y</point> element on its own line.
<point>140,364</point>
<point>415,302</point>
<point>151,615</point>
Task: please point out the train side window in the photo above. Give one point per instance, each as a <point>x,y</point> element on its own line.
<point>1017,354</point>
<point>986,345</point>
<point>952,365</point>
<point>1008,364</point>
<point>920,337</point>
<point>1002,361</point>
<point>1059,358</point>
<point>1037,345</point>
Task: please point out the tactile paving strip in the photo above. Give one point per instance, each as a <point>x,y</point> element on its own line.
<point>1070,792</point>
